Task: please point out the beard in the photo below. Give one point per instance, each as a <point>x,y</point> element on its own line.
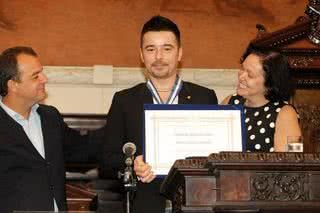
<point>159,70</point>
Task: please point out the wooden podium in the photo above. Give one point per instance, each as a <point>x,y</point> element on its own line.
<point>245,182</point>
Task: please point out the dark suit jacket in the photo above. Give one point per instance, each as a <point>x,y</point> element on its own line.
<point>27,181</point>
<point>125,125</point>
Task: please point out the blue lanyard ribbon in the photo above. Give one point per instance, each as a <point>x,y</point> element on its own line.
<point>174,91</point>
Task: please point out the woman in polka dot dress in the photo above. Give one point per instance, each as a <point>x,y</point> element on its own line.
<point>263,89</point>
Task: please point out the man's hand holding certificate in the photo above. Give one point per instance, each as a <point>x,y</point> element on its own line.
<point>178,131</point>
<point>143,170</point>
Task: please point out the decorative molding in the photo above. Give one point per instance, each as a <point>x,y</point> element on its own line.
<point>178,198</point>
<point>98,86</point>
<point>310,121</point>
<point>69,74</point>
<point>312,10</point>
<point>128,76</point>
<point>297,62</point>
<point>194,163</point>
<point>285,158</point>
<point>309,83</point>
<point>286,35</point>
<point>279,187</point>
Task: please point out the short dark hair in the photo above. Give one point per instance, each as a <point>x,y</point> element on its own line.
<point>9,66</point>
<point>278,82</point>
<point>160,23</point>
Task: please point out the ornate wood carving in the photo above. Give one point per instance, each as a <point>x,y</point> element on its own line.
<point>195,165</point>
<point>246,182</point>
<point>192,162</point>
<point>309,83</point>
<point>286,35</point>
<point>283,158</point>
<point>177,201</point>
<point>279,187</point>
<point>310,121</point>
<point>297,62</point>
<point>313,11</point>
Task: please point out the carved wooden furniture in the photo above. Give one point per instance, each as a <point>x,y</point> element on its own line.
<point>245,182</point>
<point>80,198</point>
<point>81,189</point>
<point>300,43</point>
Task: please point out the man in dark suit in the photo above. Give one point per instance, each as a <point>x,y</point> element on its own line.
<point>161,52</point>
<point>32,137</point>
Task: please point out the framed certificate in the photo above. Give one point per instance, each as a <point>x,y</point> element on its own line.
<point>178,131</point>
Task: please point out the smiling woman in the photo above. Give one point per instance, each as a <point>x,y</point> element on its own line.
<point>264,90</point>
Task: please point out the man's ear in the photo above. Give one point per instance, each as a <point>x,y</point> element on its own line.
<point>141,56</point>
<point>12,85</point>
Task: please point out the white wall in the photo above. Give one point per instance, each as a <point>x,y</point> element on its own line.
<point>90,89</point>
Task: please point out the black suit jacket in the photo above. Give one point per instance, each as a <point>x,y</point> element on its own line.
<point>27,180</point>
<point>125,125</point>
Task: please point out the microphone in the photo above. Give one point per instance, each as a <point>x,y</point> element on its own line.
<point>129,149</point>
<point>128,176</point>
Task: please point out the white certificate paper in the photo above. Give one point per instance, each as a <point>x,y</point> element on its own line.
<point>178,131</point>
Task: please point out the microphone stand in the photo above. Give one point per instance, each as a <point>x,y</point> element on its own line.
<point>129,182</point>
